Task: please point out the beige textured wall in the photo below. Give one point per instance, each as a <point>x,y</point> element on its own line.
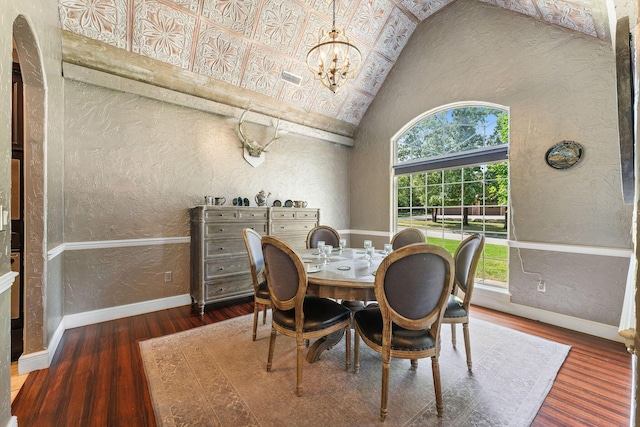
<point>37,34</point>
<point>558,85</point>
<point>134,165</point>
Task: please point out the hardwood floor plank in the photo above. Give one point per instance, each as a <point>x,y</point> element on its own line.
<point>97,379</point>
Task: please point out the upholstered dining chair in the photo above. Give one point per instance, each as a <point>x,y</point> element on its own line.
<point>466,260</point>
<point>295,314</point>
<point>406,237</point>
<point>252,240</point>
<point>412,286</point>
<point>323,232</point>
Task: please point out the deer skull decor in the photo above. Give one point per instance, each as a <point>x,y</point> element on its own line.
<point>253,151</point>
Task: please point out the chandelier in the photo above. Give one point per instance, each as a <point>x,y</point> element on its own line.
<point>333,60</point>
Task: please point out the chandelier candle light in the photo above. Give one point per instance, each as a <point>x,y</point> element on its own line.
<point>333,60</point>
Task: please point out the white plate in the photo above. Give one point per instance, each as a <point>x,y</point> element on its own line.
<point>314,268</point>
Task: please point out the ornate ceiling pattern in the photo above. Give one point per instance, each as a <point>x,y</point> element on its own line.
<point>249,43</point>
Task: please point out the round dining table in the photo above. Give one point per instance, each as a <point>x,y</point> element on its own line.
<point>348,276</point>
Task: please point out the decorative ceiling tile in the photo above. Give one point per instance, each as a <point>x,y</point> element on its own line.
<point>373,73</point>
<point>191,5</point>
<point>326,102</point>
<point>525,7</point>
<point>298,95</point>
<point>237,15</point>
<point>355,105</point>
<point>163,33</point>
<point>219,54</point>
<point>424,9</point>
<point>395,34</point>
<point>249,42</point>
<point>567,15</point>
<point>104,20</point>
<point>280,24</point>
<point>369,19</point>
<point>311,34</point>
<point>263,71</point>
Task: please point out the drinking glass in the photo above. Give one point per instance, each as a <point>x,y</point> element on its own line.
<point>369,255</point>
<point>367,244</point>
<point>320,247</point>
<point>327,253</point>
<point>343,244</point>
<point>388,248</point>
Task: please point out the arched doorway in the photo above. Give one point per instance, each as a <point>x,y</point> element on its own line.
<point>34,262</point>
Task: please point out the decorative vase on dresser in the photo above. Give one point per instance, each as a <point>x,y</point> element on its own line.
<point>219,261</point>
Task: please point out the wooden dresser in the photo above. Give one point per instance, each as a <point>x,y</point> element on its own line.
<point>219,261</point>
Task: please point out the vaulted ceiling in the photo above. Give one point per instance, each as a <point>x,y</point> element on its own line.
<point>249,43</point>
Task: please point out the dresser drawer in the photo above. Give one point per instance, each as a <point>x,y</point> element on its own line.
<point>225,289</point>
<point>310,215</point>
<point>249,215</point>
<point>280,227</point>
<point>223,266</point>
<point>283,214</point>
<point>221,215</point>
<point>219,247</point>
<point>232,229</point>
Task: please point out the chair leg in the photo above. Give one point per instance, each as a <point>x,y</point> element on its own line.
<point>272,344</point>
<point>467,343</point>
<point>385,388</point>
<point>453,334</point>
<point>256,309</point>
<point>299,361</point>
<point>435,366</point>
<point>356,352</point>
<point>348,348</point>
<point>264,314</point>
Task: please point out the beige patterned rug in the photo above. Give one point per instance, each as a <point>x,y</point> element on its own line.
<point>216,375</point>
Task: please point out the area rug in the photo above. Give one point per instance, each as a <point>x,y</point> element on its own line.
<point>215,375</point>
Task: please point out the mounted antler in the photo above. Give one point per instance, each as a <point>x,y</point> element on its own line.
<point>253,148</point>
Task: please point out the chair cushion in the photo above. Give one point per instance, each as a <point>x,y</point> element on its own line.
<point>454,308</point>
<point>369,322</point>
<point>263,291</point>
<point>319,313</point>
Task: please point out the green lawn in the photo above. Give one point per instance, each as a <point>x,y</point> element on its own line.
<point>494,263</point>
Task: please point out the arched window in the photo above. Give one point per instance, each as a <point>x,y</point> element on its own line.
<point>452,180</point>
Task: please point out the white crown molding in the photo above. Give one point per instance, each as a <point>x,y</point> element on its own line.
<point>6,280</point>
<point>574,249</point>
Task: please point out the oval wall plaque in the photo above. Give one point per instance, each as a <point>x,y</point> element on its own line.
<point>564,154</point>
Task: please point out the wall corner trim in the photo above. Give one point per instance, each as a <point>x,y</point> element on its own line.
<point>6,280</point>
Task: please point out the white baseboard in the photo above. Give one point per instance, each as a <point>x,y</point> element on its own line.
<point>113,313</point>
<point>501,303</point>
<point>42,359</point>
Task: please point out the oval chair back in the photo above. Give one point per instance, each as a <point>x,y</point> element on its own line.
<point>253,243</point>
<point>406,237</point>
<point>412,286</point>
<point>323,232</point>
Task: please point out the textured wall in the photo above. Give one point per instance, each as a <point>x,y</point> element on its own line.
<point>558,85</point>
<point>36,28</point>
<point>133,166</point>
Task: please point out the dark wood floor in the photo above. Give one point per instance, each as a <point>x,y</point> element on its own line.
<point>96,377</point>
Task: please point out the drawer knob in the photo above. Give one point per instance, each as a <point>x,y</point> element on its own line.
<point>222,229</point>
<point>221,268</point>
<point>222,248</point>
